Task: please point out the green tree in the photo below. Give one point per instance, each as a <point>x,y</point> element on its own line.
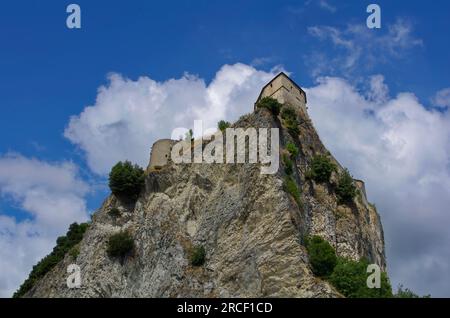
<point>321,168</point>
<point>271,104</point>
<point>223,125</point>
<point>126,180</point>
<point>322,256</point>
<point>345,190</point>
<point>350,279</point>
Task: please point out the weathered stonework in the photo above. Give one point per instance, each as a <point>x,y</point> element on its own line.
<point>160,154</point>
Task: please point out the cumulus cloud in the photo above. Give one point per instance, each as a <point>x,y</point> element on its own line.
<point>402,150</point>
<point>52,195</point>
<point>442,98</point>
<point>129,115</point>
<point>356,47</point>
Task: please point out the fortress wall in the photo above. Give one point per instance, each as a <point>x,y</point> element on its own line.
<point>160,153</point>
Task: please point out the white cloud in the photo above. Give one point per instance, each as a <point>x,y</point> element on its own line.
<point>327,6</point>
<point>402,151</point>
<point>357,48</point>
<point>442,98</point>
<point>53,196</point>
<point>128,116</point>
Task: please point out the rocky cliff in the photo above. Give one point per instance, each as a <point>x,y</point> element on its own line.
<point>252,230</point>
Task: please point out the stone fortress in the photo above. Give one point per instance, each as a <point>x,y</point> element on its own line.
<point>281,88</point>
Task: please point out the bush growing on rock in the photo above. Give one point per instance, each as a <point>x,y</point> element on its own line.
<point>288,164</point>
<point>291,187</point>
<point>345,190</point>
<point>321,169</point>
<point>292,148</point>
<point>197,257</point>
<point>120,244</point>
<point>114,212</point>
<point>289,115</point>
<point>271,104</point>
<point>322,256</point>
<point>126,180</point>
<point>223,125</point>
<point>350,279</point>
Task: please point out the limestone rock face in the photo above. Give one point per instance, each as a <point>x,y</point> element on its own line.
<point>251,229</point>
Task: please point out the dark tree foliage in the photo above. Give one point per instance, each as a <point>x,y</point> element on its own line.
<point>350,279</point>
<point>223,125</point>
<point>197,257</point>
<point>321,168</point>
<point>345,190</point>
<point>271,104</point>
<point>126,180</point>
<point>114,212</point>
<point>63,245</point>
<point>322,256</point>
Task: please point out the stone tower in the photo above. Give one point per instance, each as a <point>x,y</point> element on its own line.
<point>160,153</point>
<point>286,91</point>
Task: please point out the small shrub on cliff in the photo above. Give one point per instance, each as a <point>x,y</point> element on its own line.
<point>197,256</point>
<point>126,180</point>
<point>292,148</point>
<point>288,164</point>
<point>322,256</point>
<point>345,189</point>
<point>291,187</point>
<point>271,104</point>
<point>223,125</point>
<point>289,113</point>
<point>321,168</point>
<point>350,279</point>
<point>120,244</point>
<point>114,212</point>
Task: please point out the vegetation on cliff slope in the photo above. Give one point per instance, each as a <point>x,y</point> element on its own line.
<point>120,244</point>
<point>63,245</point>
<point>271,104</point>
<point>321,169</point>
<point>126,180</point>
<point>345,189</point>
<point>349,277</point>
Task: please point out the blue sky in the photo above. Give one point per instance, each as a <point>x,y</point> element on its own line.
<point>49,73</point>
